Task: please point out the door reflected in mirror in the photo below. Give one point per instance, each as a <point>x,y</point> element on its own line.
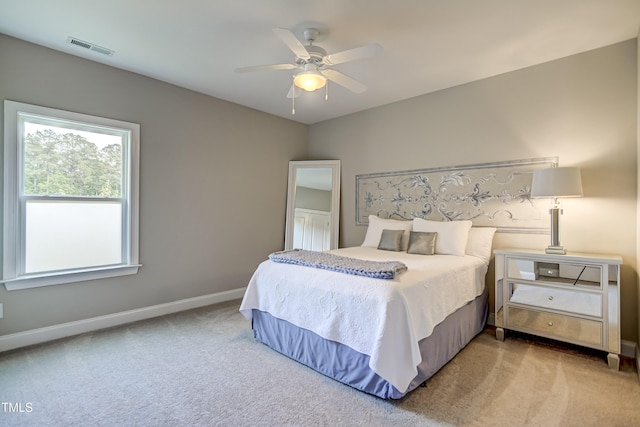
<point>313,205</point>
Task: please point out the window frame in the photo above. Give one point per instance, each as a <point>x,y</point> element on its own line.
<point>13,275</point>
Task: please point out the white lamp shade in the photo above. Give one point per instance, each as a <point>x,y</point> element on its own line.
<point>310,79</point>
<point>557,182</point>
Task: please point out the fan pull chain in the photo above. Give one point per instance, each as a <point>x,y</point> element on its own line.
<point>326,92</point>
<point>293,100</point>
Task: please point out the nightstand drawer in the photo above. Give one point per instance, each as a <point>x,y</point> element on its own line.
<point>555,325</point>
<point>566,300</point>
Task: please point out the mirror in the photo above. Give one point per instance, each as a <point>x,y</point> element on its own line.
<point>313,205</point>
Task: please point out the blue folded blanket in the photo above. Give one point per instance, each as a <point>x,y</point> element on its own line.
<point>342,264</point>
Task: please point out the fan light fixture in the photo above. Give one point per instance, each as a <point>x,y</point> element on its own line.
<point>313,65</point>
<point>310,79</point>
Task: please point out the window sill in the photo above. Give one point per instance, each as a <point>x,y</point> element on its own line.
<point>36,281</point>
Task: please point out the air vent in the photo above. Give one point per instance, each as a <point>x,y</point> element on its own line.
<point>90,46</point>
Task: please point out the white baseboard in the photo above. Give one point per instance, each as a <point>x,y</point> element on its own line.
<point>638,361</point>
<point>491,319</point>
<point>36,336</point>
<point>627,348</point>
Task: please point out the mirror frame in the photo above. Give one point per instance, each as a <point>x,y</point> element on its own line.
<point>294,165</point>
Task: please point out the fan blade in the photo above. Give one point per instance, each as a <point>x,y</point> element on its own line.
<point>293,93</point>
<point>353,54</point>
<point>292,42</point>
<point>266,67</point>
<point>344,80</point>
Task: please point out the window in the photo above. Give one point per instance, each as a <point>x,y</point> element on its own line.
<point>70,197</point>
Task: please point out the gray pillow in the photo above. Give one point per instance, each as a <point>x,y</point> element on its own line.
<point>422,242</point>
<point>391,240</point>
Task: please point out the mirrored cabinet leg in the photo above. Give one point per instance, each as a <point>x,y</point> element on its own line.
<point>500,334</point>
<point>614,361</point>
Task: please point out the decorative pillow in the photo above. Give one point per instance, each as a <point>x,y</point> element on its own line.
<point>422,243</point>
<point>452,235</point>
<point>391,240</point>
<point>479,242</point>
<point>376,225</point>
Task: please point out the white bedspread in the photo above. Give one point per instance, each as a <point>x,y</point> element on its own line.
<point>384,319</point>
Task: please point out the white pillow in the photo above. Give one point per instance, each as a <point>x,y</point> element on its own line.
<point>452,235</point>
<point>479,242</point>
<point>376,225</point>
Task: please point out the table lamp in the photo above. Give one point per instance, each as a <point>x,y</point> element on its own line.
<point>555,183</point>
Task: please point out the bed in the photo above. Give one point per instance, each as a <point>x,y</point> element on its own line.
<point>381,336</point>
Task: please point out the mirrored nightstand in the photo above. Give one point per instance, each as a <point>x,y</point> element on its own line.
<point>573,298</point>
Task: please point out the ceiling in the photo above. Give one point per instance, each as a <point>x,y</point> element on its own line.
<point>428,45</point>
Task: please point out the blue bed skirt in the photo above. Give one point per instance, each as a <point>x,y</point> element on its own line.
<point>342,363</point>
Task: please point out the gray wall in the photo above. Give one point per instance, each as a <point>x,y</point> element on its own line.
<point>638,191</point>
<point>581,109</point>
<point>310,198</point>
<point>207,180</point>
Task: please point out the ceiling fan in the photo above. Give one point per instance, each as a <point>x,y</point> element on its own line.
<point>314,63</point>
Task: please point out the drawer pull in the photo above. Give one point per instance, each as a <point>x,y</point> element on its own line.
<point>550,297</point>
<point>550,323</point>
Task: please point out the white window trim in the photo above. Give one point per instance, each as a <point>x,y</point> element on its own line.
<point>11,224</point>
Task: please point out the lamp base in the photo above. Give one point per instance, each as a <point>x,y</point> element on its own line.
<point>555,247</point>
<point>557,250</point>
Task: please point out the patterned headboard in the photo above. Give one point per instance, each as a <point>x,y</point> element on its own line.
<point>489,194</point>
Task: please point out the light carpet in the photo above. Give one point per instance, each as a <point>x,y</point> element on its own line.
<point>204,368</point>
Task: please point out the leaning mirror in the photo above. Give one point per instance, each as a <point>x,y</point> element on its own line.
<point>313,201</point>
